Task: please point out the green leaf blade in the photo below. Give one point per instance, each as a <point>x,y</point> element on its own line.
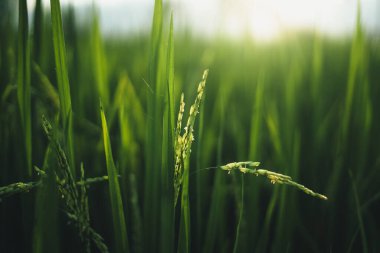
<point>120,231</point>
<point>23,82</point>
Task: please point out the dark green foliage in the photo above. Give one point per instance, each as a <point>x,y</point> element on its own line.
<point>306,106</point>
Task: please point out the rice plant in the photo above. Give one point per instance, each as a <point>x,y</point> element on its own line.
<point>149,170</point>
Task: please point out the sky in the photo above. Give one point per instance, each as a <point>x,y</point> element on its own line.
<point>263,19</point>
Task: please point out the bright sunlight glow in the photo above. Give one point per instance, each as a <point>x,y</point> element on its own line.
<point>261,19</point>
<point>263,24</point>
<point>267,19</point>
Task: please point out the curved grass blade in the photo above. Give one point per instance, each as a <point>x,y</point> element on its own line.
<point>120,229</point>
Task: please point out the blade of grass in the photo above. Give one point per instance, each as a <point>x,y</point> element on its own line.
<point>167,168</point>
<point>133,114</point>
<point>317,65</point>
<point>351,105</point>
<point>137,239</point>
<point>355,62</point>
<point>152,179</point>
<point>23,82</point>
<point>262,245</point>
<point>252,194</point>
<point>272,124</point>
<point>100,63</point>
<point>287,214</point>
<point>236,244</point>
<point>46,90</point>
<point>24,101</point>
<point>170,76</point>
<point>131,126</point>
<point>38,35</point>
<point>214,215</point>
<point>62,79</point>
<point>288,160</point>
<point>45,234</point>
<point>120,230</point>
<point>359,214</point>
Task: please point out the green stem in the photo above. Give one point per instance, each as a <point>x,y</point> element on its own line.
<point>240,216</point>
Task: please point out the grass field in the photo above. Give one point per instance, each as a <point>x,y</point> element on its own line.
<point>125,144</point>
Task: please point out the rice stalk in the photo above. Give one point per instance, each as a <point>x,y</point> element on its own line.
<point>182,147</point>
<point>200,179</point>
<point>25,187</point>
<point>247,167</point>
<point>74,195</point>
<point>182,144</point>
<point>178,151</point>
<point>19,187</point>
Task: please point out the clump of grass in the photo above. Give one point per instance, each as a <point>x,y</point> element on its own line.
<point>250,167</point>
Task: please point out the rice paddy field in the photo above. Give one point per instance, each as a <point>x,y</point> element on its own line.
<point>152,142</point>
